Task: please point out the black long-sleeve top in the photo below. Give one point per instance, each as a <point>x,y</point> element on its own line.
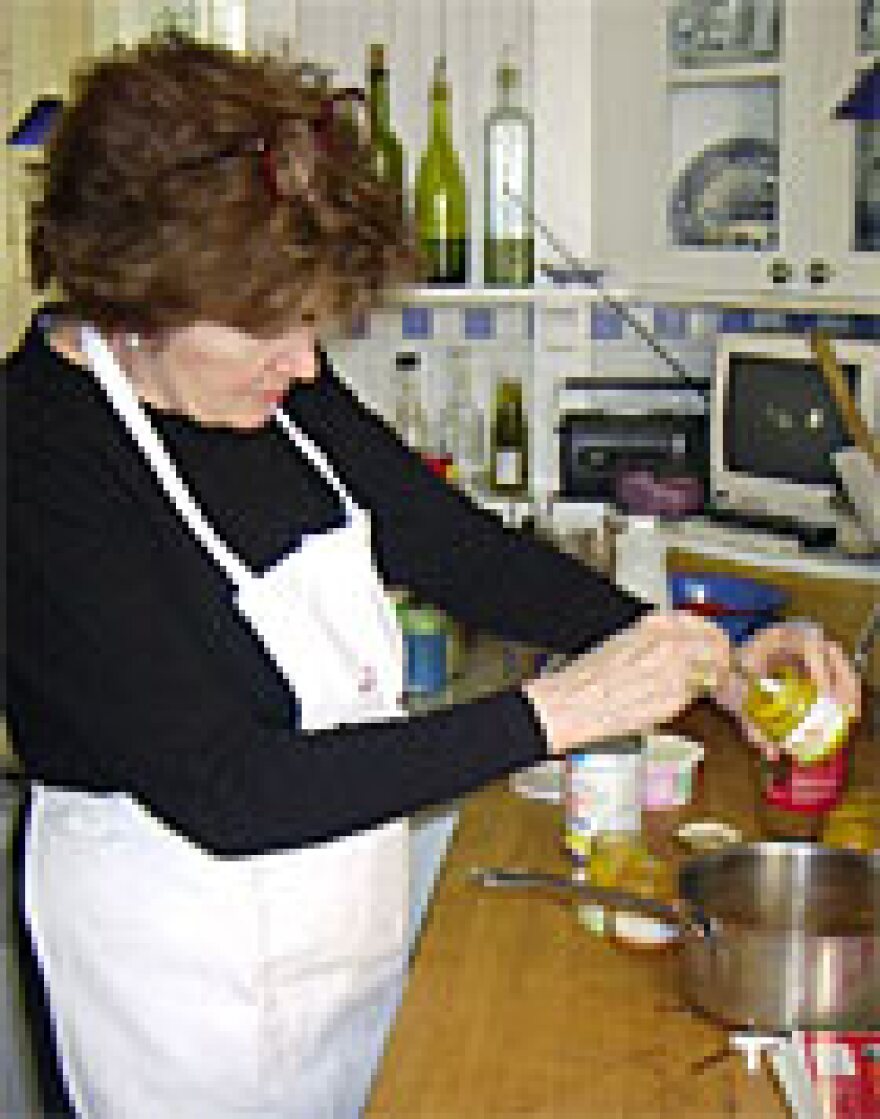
<point>129,668</point>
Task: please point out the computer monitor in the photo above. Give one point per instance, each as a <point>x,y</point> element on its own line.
<point>775,426</point>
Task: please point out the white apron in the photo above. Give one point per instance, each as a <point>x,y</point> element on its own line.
<point>183,986</point>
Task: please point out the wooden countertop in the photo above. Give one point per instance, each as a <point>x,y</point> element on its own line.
<point>514,1009</point>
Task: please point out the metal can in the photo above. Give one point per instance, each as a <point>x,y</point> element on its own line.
<point>603,792</point>
<point>426,650</point>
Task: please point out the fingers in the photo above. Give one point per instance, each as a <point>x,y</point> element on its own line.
<point>639,678</point>
<point>846,686</point>
<point>813,654</point>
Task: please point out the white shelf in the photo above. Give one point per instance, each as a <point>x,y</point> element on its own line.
<point>734,73</point>
<point>465,294</point>
<point>784,299</point>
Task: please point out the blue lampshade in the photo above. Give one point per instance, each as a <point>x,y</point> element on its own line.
<point>863,103</point>
<point>33,128</point>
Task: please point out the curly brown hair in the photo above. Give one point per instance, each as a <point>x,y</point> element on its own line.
<point>160,203</point>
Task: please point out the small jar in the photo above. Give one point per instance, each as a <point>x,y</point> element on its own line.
<point>647,876</point>
<point>604,866</point>
<point>426,650</point>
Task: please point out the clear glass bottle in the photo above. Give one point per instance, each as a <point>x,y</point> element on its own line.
<point>441,209</point>
<point>388,156</point>
<point>461,420</point>
<point>509,446</point>
<point>410,421</point>
<point>508,241</point>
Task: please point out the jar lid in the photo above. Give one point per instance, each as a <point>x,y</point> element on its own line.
<point>702,836</point>
<point>424,619</point>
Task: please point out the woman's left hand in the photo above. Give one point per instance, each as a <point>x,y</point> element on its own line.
<point>804,646</point>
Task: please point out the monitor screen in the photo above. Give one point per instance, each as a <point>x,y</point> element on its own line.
<point>781,420</point>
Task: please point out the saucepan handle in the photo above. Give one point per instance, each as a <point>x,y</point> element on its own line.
<point>678,915</point>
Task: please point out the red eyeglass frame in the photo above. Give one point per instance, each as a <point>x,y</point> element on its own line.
<point>328,140</point>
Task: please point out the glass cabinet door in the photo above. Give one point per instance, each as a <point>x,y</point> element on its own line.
<point>847,219</point>
<point>721,32</point>
<point>866,217</point>
<point>733,172</point>
<point>724,121</point>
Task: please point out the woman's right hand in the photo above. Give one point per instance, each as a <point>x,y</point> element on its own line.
<point>637,679</point>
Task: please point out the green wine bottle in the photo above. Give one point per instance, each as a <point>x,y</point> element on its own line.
<point>509,447</point>
<point>440,193</point>
<point>388,158</point>
<point>508,243</point>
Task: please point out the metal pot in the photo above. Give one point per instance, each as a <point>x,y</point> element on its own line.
<point>774,936</point>
<point>793,936</point>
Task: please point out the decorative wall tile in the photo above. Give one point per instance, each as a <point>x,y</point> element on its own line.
<point>800,323</point>
<point>705,322</point>
<point>510,322</point>
<point>866,327</point>
<point>736,321</point>
<point>385,327</point>
<point>605,325</point>
<point>838,326</point>
<point>671,322</point>
<point>769,321</point>
<point>560,328</point>
<point>416,322</point>
<point>446,323</point>
<point>479,324</point>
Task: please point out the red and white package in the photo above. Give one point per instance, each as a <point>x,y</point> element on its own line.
<point>843,1071</point>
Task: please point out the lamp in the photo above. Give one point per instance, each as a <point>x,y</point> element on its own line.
<point>863,102</point>
<point>34,126</point>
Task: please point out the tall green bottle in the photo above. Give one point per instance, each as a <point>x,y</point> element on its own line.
<point>508,243</point>
<point>440,193</point>
<point>388,158</point>
<point>509,447</point>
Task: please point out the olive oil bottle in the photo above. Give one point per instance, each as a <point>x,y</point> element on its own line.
<point>441,208</point>
<point>789,710</point>
<point>508,243</point>
<point>388,157</point>
<point>509,445</point>
<point>809,778</point>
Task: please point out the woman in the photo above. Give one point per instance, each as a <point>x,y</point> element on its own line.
<point>204,667</point>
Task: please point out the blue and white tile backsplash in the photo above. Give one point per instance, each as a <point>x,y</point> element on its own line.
<point>574,339</point>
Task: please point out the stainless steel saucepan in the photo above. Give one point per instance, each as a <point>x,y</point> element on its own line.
<point>774,936</point>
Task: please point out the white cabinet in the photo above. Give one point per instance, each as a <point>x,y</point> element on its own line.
<point>672,195</point>
<point>628,123</point>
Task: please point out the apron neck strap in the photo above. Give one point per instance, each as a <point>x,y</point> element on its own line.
<point>313,453</point>
<point>124,400</point>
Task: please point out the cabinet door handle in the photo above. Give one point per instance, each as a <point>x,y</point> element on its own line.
<point>779,270</point>
<point>819,272</point>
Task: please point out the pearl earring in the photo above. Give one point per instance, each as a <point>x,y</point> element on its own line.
<point>133,341</point>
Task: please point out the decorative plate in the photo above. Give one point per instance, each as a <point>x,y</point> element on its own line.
<point>727,197</point>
